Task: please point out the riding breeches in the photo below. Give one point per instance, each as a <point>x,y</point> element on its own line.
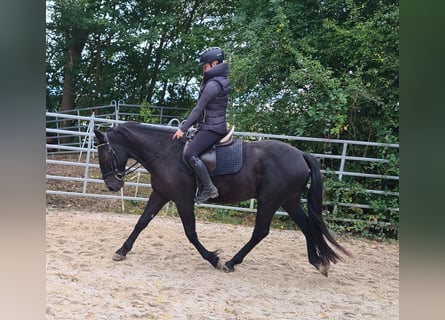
<point>202,140</point>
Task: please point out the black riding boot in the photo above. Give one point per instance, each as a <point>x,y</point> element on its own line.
<point>209,191</point>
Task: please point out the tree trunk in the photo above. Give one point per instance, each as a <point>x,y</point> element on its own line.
<point>78,40</point>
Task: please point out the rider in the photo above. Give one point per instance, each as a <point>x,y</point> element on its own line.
<point>210,113</point>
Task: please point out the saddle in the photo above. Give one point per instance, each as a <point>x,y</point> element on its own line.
<point>224,157</point>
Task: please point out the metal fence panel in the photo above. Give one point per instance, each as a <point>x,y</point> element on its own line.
<point>82,137</point>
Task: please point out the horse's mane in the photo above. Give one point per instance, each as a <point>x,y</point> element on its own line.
<point>134,131</point>
<point>136,127</point>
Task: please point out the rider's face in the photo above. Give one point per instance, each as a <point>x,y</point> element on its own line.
<point>206,67</point>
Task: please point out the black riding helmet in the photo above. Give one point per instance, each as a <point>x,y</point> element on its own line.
<point>211,54</point>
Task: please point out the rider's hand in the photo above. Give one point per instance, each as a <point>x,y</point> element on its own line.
<point>178,134</point>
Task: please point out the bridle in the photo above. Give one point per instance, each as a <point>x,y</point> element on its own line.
<point>119,175</point>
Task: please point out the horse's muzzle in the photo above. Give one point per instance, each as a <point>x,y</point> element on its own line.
<point>114,185</point>
<point>114,188</point>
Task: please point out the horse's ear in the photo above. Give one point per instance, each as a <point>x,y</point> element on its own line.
<point>99,135</point>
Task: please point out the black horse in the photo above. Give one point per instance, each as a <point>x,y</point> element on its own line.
<point>273,172</point>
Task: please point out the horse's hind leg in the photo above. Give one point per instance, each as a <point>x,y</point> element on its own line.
<point>154,204</point>
<point>298,215</point>
<point>260,231</point>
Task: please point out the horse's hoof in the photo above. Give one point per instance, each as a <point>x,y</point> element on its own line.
<point>219,265</point>
<point>324,269</point>
<point>227,268</point>
<point>118,257</point>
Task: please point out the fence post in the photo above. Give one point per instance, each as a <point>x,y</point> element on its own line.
<point>114,103</point>
<point>119,103</point>
<point>58,128</point>
<point>79,124</point>
<point>116,110</point>
<point>340,176</point>
<point>343,160</point>
<point>87,161</point>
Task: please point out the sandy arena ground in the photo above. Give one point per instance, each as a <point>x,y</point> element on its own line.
<point>164,277</point>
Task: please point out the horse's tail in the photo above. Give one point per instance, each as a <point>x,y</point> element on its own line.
<point>318,228</point>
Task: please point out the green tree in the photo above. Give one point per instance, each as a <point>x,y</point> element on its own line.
<point>317,68</point>
<point>131,50</point>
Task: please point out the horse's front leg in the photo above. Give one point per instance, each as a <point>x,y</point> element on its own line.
<point>154,204</point>
<point>187,214</point>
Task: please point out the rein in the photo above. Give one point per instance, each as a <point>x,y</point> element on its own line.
<point>119,174</point>
<point>159,155</point>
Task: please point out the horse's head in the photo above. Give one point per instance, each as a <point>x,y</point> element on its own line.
<point>112,161</point>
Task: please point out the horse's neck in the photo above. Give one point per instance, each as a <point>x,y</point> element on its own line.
<point>146,151</point>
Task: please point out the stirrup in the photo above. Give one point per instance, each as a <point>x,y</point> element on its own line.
<point>210,192</point>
